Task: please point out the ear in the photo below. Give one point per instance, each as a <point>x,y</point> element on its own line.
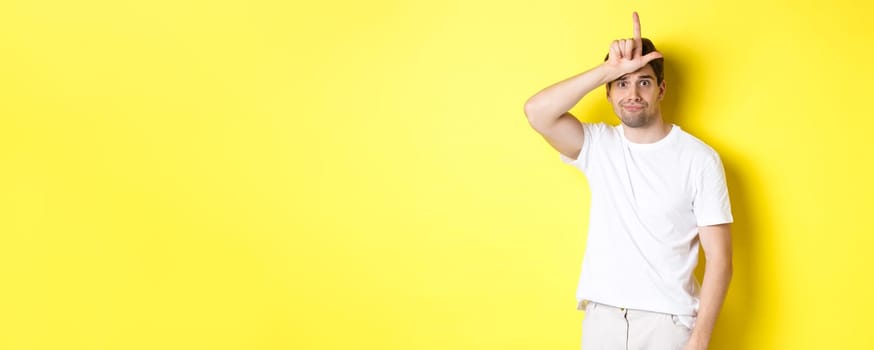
<point>662,88</point>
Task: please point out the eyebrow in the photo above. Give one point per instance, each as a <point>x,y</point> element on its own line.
<point>646,76</point>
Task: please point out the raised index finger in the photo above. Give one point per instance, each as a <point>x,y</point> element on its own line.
<point>636,20</point>
<point>638,46</point>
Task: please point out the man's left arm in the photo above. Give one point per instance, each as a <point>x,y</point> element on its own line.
<point>716,242</point>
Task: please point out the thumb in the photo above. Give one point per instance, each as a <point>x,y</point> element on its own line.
<point>651,56</point>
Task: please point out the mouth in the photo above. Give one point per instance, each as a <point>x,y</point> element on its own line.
<point>632,108</point>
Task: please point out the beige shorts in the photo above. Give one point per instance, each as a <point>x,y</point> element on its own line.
<point>611,328</point>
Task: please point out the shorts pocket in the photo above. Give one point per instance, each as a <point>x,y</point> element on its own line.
<point>685,322</point>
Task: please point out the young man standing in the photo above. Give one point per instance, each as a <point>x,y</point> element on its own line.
<point>657,193</point>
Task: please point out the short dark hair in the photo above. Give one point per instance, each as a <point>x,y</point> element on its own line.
<point>658,64</point>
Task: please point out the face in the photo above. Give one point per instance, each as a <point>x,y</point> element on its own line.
<point>635,97</point>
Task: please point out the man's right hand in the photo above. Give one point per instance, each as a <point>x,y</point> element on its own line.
<point>626,55</point>
<point>548,110</point>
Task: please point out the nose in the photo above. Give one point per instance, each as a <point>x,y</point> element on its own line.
<point>635,93</point>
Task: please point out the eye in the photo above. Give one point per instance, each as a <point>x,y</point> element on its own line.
<point>622,84</point>
<point>644,83</point>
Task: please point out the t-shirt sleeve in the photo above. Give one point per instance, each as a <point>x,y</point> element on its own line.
<point>591,134</point>
<point>711,204</point>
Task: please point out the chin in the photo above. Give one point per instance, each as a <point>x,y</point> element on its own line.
<point>634,122</point>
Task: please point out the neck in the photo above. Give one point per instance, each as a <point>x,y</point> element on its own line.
<point>651,133</point>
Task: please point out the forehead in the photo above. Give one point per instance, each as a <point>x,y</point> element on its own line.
<point>646,70</point>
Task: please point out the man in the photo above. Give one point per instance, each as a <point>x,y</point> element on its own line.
<point>657,193</point>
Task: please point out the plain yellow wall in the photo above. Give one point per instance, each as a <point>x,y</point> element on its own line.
<point>360,175</point>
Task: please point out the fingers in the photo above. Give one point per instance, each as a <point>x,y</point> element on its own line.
<point>632,49</point>
<point>623,49</point>
<point>627,48</point>
<point>637,43</point>
<point>615,52</point>
<point>636,19</point>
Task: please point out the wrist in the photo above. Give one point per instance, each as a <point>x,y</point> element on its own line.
<point>700,338</point>
<point>608,73</point>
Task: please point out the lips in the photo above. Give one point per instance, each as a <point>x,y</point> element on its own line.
<point>633,107</point>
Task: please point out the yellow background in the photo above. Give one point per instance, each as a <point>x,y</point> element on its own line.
<point>360,175</point>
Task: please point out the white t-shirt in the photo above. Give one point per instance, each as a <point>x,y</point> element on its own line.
<point>647,203</point>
